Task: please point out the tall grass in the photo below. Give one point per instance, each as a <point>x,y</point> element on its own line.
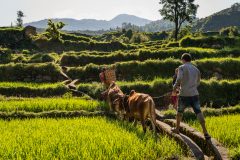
<point>48,104</point>
<point>29,85</point>
<point>82,138</point>
<point>35,72</point>
<point>24,89</point>
<point>84,58</point>
<point>227,68</point>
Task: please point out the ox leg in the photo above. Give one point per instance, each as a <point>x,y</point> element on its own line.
<point>153,125</point>
<point>135,123</point>
<point>143,125</point>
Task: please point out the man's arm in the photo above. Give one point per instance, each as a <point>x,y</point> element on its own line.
<point>199,78</point>
<point>179,79</point>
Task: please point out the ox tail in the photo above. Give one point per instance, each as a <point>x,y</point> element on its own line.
<point>152,114</point>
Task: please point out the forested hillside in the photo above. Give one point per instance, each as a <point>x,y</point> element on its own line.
<point>225,18</point>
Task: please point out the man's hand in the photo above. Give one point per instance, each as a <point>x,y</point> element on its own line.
<point>179,79</point>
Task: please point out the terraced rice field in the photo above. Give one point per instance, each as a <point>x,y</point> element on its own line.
<point>32,83</point>
<point>81,138</point>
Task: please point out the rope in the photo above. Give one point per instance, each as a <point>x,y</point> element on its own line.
<point>76,91</point>
<point>162,96</point>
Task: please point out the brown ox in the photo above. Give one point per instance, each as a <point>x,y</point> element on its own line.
<point>138,106</point>
<point>112,94</point>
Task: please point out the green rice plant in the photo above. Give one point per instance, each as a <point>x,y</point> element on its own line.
<point>24,89</point>
<point>82,138</point>
<point>66,36</point>
<point>208,42</point>
<point>43,58</point>
<point>226,130</point>
<point>44,72</point>
<point>227,68</point>
<point>49,104</point>
<point>208,112</point>
<point>84,58</point>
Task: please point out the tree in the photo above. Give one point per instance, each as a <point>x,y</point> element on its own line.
<point>129,34</point>
<point>128,26</point>
<point>185,31</point>
<point>178,12</point>
<point>20,16</point>
<point>231,31</point>
<point>53,30</point>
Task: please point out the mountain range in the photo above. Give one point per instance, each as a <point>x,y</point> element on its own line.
<point>93,24</point>
<point>224,18</point>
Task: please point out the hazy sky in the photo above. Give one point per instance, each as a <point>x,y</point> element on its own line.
<point>97,9</point>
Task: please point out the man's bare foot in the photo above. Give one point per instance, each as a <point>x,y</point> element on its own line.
<point>207,136</point>
<point>175,130</point>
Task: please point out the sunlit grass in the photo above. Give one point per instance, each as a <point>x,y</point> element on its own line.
<point>82,138</point>
<point>48,104</point>
<point>29,85</point>
<point>225,129</point>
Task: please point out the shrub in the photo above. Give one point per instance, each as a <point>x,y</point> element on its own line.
<point>229,31</point>
<point>173,44</point>
<point>67,45</point>
<point>207,42</point>
<point>20,59</point>
<point>14,38</point>
<point>48,72</point>
<point>158,35</point>
<point>5,55</point>
<point>20,89</point>
<point>149,69</point>
<point>42,58</point>
<point>84,58</point>
<point>25,51</point>
<point>128,70</point>
<point>139,38</point>
<point>72,37</point>
<point>226,67</point>
<point>210,33</point>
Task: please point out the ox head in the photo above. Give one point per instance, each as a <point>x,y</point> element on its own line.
<point>120,104</point>
<point>114,97</point>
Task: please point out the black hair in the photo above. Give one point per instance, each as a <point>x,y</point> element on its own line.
<point>187,57</point>
<point>103,69</point>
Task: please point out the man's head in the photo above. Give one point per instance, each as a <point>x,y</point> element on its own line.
<point>186,57</point>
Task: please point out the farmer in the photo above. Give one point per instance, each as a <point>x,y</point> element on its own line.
<point>174,95</point>
<point>188,79</point>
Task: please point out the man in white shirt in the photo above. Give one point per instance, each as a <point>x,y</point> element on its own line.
<point>188,79</point>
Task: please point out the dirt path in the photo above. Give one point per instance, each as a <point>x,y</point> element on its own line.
<point>184,141</point>
<point>195,140</point>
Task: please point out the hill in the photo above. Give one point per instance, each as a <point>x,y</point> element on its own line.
<point>93,24</point>
<point>225,18</point>
<point>158,26</point>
